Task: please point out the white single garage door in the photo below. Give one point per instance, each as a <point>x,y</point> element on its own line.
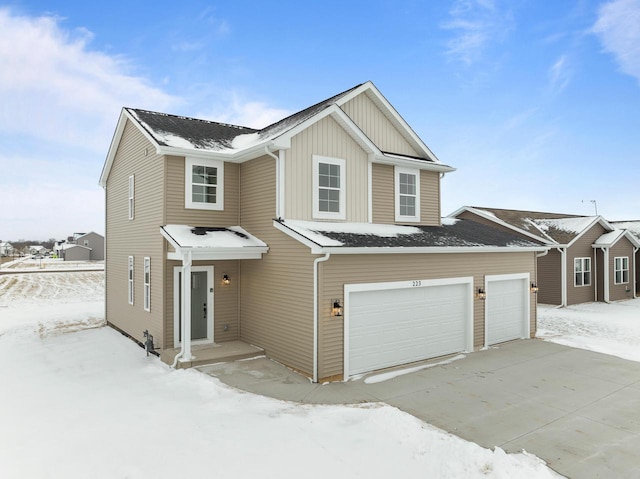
<point>507,308</point>
<point>405,322</point>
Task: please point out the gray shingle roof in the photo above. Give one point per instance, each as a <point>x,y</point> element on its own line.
<point>460,233</point>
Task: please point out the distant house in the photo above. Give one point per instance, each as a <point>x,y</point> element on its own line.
<point>589,260</point>
<point>6,249</point>
<point>37,249</point>
<point>81,247</point>
<point>318,239</point>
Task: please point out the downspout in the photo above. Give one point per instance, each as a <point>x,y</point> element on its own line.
<point>278,185</point>
<point>316,261</point>
<point>185,345</point>
<point>595,274</point>
<point>633,260</point>
<point>563,275</point>
<point>605,274</point>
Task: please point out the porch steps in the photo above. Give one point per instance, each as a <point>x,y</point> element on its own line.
<point>213,353</point>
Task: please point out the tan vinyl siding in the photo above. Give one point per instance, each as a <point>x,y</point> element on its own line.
<point>383,193</point>
<point>582,249</point>
<point>139,237</point>
<point>226,300</point>
<point>430,198</point>
<point>277,291</point>
<point>377,126</point>
<point>176,213</point>
<point>324,138</point>
<point>625,290</point>
<point>550,278</point>
<point>353,269</point>
<point>383,200</point>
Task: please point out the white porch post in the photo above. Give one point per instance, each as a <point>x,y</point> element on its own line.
<point>186,307</point>
<point>563,275</point>
<point>605,275</point>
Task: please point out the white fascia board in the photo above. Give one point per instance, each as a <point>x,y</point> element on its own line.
<point>391,113</point>
<point>115,142</point>
<point>624,234</point>
<point>315,248</point>
<point>412,163</point>
<point>283,141</point>
<point>430,249</point>
<point>207,254</point>
<point>498,221</point>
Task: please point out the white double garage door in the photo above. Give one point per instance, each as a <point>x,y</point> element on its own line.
<point>388,324</point>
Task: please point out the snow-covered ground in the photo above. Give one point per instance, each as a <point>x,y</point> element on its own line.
<point>606,328</point>
<point>78,402</point>
<point>28,263</point>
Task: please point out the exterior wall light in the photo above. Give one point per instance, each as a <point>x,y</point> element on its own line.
<point>336,307</point>
<point>226,279</point>
<point>534,288</point>
<point>481,294</point>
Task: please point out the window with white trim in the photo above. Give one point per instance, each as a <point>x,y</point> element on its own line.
<point>204,184</point>
<point>329,175</point>
<point>130,280</point>
<point>147,284</point>
<point>582,271</point>
<point>621,269</point>
<point>407,188</point>
<point>131,196</point>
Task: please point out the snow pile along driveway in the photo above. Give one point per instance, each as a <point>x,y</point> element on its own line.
<point>605,328</point>
<point>90,403</point>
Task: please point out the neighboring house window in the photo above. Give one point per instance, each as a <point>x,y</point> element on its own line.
<point>621,269</point>
<point>86,242</point>
<point>130,280</point>
<point>582,271</point>
<point>131,194</point>
<point>407,187</point>
<point>329,179</point>
<point>147,284</point>
<point>204,184</point>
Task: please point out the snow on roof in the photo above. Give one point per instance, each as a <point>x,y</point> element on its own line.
<point>632,226</point>
<point>609,238</point>
<point>452,233</point>
<point>569,225</point>
<point>212,237</point>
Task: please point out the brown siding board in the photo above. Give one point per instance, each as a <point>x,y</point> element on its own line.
<point>139,237</point>
<point>354,269</point>
<point>582,249</point>
<point>624,290</point>
<point>276,309</point>
<point>550,278</point>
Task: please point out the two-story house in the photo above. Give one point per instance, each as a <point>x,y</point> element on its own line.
<point>317,238</point>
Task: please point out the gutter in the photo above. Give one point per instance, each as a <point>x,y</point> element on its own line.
<point>185,345</point>
<point>563,275</point>
<point>315,313</point>
<point>635,251</point>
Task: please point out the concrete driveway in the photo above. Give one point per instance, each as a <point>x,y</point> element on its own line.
<point>576,409</point>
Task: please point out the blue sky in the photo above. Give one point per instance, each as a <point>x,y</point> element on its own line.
<point>537,104</point>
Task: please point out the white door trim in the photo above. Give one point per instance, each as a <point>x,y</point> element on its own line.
<point>176,301</point>
<point>526,327</point>
<point>420,283</point>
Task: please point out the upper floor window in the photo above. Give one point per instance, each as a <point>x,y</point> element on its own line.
<point>147,284</point>
<point>204,184</point>
<point>131,195</point>
<point>329,188</point>
<point>582,271</point>
<point>621,269</point>
<point>407,188</point>
<point>130,280</point>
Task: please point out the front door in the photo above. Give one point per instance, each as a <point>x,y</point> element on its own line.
<point>201,305</point>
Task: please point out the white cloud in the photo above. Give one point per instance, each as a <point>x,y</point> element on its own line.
<point>475,24</point>
<point>240,111</point>
<point>559,74</point>
<point>55,87</point>
<point>618,27</point>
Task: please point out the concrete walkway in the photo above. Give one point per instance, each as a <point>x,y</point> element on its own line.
<point>576,409</point>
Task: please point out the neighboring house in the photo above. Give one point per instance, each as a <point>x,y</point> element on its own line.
<point>317,238</point>
<point>574,269</point>
<point>6,249</point>
<point>81,247</point>
<point>633,227</point>
<point>37,249</point>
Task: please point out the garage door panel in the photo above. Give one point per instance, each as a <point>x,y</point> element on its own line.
<point>506,310</point>
<point>402,325</point>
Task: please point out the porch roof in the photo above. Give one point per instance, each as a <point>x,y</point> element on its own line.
<point>212,242</point>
